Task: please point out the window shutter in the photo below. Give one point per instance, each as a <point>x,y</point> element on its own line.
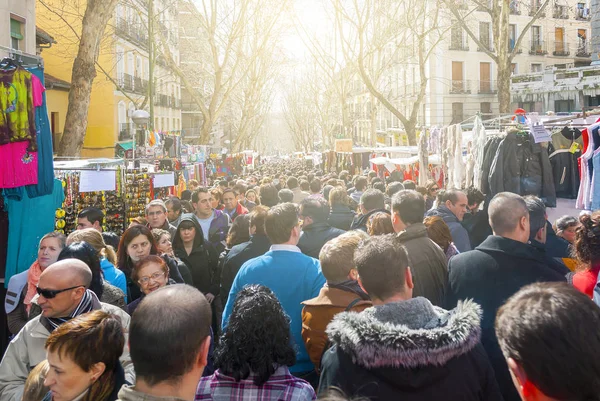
<point>15,29</point>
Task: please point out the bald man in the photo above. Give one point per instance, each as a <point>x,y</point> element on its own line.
<point>498,268</point>
<point>62,294</point>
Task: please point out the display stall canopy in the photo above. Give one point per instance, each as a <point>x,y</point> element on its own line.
<point>87,164</point>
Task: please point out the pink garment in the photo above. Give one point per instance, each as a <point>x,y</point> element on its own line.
<point>38,91</point>
<point>18,167</point>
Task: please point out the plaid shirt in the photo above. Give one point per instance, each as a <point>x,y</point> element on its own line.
<point>281,386</point>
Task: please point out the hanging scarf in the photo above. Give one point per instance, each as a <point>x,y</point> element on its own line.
<point>85,305</point>
<point>33,278</point>
<point>351,286</point>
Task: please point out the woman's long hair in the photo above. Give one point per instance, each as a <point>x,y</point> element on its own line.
<point>239,231</point>
<point>88,255</point>
<point>257,339</point>
<point>123,260</point>
<point>96,240</point>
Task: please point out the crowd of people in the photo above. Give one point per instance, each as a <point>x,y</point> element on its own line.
<point>290,284</point>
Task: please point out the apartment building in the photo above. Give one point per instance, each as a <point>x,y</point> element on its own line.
<point>122,79</point>
<point>19,33</point>
<point>462,77</point>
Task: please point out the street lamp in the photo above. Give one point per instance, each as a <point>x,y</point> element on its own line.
<point>141,119</point>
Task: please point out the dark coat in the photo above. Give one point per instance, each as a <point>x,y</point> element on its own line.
<point>427,262</point>
<point>258,245</point>
<point>552,263</point>
<point>202,261</point>
<point>477,226</point>
<point>315,236</point>
<point>489,275</point>
<point>460,236</point>
<point>341,217</point>
<point>409,351</point>
<point>360,221</point>
<point>556,246</point>
<point>522,166</point>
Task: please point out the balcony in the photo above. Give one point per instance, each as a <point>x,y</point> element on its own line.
<point>560,12</point>
<point>487,88</point>
<point>511,46</point>
<point>488,46</point>
<point>189,106</point>
<point>479,87</point>
<point>127,82</point>
<point>582,14</point>
<point>458,45</point>
<point>125,132</point>
<point>538,48</point>
<point>135,34</point>
<point>459,87</point>
<point>535,9</point>
<point>561,49</point>
<point>140,85</point>
<point>583,49</point>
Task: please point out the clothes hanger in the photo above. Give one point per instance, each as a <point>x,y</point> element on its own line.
<point>8,63</point>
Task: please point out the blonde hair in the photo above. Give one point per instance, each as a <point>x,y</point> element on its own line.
<point>34,385</point>
<point>94,238</point>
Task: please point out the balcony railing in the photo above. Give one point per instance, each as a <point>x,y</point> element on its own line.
<point>134,33</point>
<point>561,49</point>
<point>538,48</point>
<point>582,14</point>
<point>125,132</point>
<point>459,87</point>
<point>189,106</point>
<point>467,87</point>
<point>560,12</point>
<point>487,87</point>
<point>535,9</point>
<point>140,85</point>
<point>127,82</point>
<point>583,49</point>
<point>488,46</point>
<point>511,46</point>
<point>458,45</point>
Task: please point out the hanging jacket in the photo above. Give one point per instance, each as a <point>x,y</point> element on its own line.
<point>489,152</point>
<point>522,166</point>
<point>564,150</point>
<point>202,260</point>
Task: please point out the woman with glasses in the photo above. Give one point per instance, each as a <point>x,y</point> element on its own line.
<point>83,356</point>
<point>136,243</point>
<point>150,274</point>
<point>432,190</point>
<point>22,286</point>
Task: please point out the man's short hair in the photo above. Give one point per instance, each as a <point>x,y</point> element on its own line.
<point>168,327</point>
<point>394,188</point>
<point>229,190</point>
<point>550,330</point>
<point>537,214</point>
<point>315,208</point>
<point>258,216</point>
<point>175,203</point>
<point>505,211</point>
<point>198,190</point>
<point>285,195</point>
<point>451,195</point>
<point>409,206</point>
<point>372,199</point>
<point>381,262</point>
<point>280,222</point>
<point>380,186</point>
<point>409,184</point>
<point>156,202</point>
<point>361,183</point>
<point>240,188</point>
<point>337,256</point>
<point>315,186</point>
<point>292,182</point>
<point>474,196</point>
<point>304,185</point>
<point>92,214</point>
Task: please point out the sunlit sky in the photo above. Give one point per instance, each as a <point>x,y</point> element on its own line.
<point>312,15</point>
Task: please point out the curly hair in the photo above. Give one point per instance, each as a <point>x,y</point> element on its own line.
<point>587,240</point>
<point>380,223</point>
<point>257,338</point>
<point>438,231</point>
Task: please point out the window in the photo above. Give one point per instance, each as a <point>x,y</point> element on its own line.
<point>484,35</point>
<point>120,65</point>
<point>536,35</point>
<point>457,113</point>
<point>536,67</point>
<point>456,37</point>
<point>512,36</point>
<point>486,109</point>
<point>17,32</point>
<point>564,106</point>
<point>514,68</point>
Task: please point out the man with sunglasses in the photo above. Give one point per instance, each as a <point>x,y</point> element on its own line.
<point>62,295</point>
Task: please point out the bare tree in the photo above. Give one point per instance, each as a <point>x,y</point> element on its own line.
<point>407,31</point>
<point>300,114</point>
<point>503,51</point>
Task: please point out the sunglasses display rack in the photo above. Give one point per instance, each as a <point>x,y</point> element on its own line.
<point>110,202</point>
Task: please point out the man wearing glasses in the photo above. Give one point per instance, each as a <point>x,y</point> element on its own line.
<point>156,214</point>
<point>62,295</point>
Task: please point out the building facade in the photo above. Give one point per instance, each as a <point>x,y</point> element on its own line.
<point>122,81</point>
<point>18,22</point>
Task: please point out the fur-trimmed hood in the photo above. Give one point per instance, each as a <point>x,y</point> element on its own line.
<point>407,334</point>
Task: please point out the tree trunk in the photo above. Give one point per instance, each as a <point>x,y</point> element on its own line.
<point>205,131</point>
<point>503,52</point>
<point>503,79</point>
<point>373,141</point>
<point>411,132</point>
<point>96,17</point>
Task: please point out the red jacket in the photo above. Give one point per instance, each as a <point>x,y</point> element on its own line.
<point>239,210</point>
<point>585,281</point>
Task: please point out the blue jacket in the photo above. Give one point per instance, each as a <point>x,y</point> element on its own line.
<point>294,278</point>
<point>114,276</point>
<point>460,236</point>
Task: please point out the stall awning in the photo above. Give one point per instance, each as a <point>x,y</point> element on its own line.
<point>126,145</point>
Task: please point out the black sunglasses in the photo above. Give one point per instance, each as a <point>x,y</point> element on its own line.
<point>49,294</point>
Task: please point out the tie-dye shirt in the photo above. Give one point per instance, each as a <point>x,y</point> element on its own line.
<point>17,113</point>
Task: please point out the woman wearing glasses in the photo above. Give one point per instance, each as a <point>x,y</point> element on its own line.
<point>21,287</point>
<point>150,274</point>
<point>91,375</point>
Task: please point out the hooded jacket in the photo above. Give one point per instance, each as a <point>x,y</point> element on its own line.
<point>460,236</point>
<point>341,217</point>
<point>489,275</point>
<point>522,166</point>
<point>428,264</point>
<point>314,236</point>
<point>360,221</point>
<point>202,261</point>
<point>409,350</point>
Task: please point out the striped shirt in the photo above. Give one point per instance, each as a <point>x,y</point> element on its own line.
<point>281,386</point>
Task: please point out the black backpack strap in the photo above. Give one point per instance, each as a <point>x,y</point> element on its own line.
<point>348,308</point>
